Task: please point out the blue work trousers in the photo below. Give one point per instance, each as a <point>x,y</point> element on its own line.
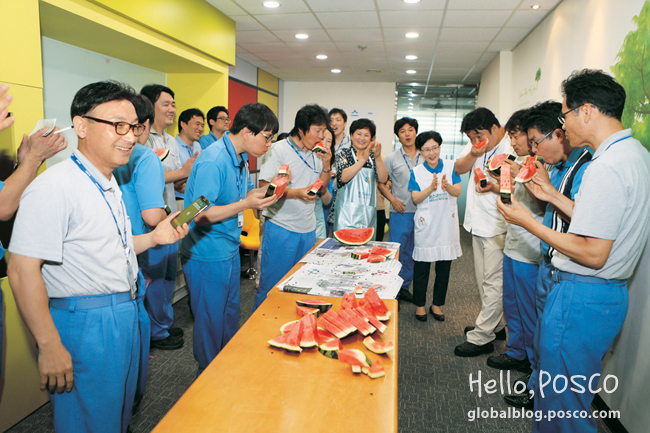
<point>402,230</point>
<point>582,317</point>
<point>145,340</point>
<point>160,269</point>
<point>519,280</point>
<point>282,249</point>
<point>104,344</point>
<point>214,295</point>
<point>543,287</point>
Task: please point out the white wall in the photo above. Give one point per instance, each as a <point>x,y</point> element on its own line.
<point>375,101</point>
<point>497,92</point>
<point>582,34</point>
<point>243,71</point>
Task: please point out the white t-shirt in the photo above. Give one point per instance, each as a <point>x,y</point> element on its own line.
<point>171,163</point>
<point>482,218</point>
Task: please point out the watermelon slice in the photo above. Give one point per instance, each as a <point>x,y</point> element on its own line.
<point>481,144</point>
<point>530,160</point>
<point>349,301</point>
<point>308,339</point>
<point>377,324</point>
<point>355,321</point>
<point>315,187</point>
<point>277,342</point>
<point>505,184</point>
<point>375,287</point>
<point>303,311</point>
<point>494,164</point>
<point>331,327</point>
<point>479,177</point>
<point>323,336</point>
<point>331,348</point>
<point>373,258</point>
<point>379,251</point>
<point>277,187</point>
<point>376,302</point>
<point>315,303</point>
<point>354,357</point>
<point>355,236</point>
<point>292,339</point>
<point>360,256</point>
<point>376,370</point>
<point>377,347</point>
<point>319,148</point>
<point>526,173</point>
<point>358,290</point>
<point>162,153</point>
<point>287,327</point>
<point>339,321</point>
<point>356,369</point>
<point>540,159</point>
<point>284,168</point>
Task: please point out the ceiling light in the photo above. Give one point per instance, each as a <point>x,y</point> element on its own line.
<point>411,1</point>
<point>411,71</point>
<point>411,57</point>
<point>271,4</point>
<point>302,36</point>
<point>410,103</point>
<point>321,57</point>
<point>535,6</point>
<point>336,71</point>
<point>412,35</point>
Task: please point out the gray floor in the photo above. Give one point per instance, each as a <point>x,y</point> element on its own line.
<point>434,390</point>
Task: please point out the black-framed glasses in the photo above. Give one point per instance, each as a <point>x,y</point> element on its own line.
<point>536,143</point>
<point>562,117</point>
<point>268,137</point>
<point>121,128</point>
<point>224,118</point>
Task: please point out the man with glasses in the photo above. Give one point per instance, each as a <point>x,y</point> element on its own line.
<point>219,121</point>
<point>73,268</point>
<point>210,254</point>
<point>609,228</point>
<point>555,193</point>
<point>488,229</point>
<point>290,227</point>
<point>190,128</point>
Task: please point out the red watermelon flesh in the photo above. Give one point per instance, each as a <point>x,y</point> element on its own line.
<point>287,327</point>
<point>323,336</point>
<point>377,303</point>
<point>338,332</point>
<point>280,186</point>
<point>377,324</point>
<point>277,342</point>
<point>479,177</point>
<point>303,311</point>
<point>530,160</point>
<point>340,322</point>
<point>376,346</point>
<point>319,147</point>
<point>355,321</point>
<point>315,303</point>
<point>481,144</point>
<point>283,169</point>
<point>316,186</point>
<point>349,301</point>
<point>162,153</point>
<point>526,173</point>
<point>379,251</point>
<point>292,339</point>
<point>355,236</point>
<point>354,357</point>
<point>308,339</point>
<point>376,370</point>
<point>376,258</point>
<point>360,256</point>
<point>332,345</point>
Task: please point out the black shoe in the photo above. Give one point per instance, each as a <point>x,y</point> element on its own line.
<point>468,350</point>
<point>507,362</point>
<point>169,343</point>
<point>438,317</point>
<point>421,317</point>
<point>501,335</point>
<point>405,295</point>
<point>176,332</point>
<point>522,382</point>
<point>524,400</point>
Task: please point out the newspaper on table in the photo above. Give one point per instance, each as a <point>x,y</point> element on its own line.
<point>330,270</point>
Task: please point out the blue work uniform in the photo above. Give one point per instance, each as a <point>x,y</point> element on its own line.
<point>207,140</point>
<point>210,252</point>
<point>142,182</point>
<point>185,152</point>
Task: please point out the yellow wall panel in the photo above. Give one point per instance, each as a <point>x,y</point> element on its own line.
<point>267,81</point>
<point>268,100</point>
<point>21,48</point>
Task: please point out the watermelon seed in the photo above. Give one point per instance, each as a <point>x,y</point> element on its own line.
<point>372,393</point>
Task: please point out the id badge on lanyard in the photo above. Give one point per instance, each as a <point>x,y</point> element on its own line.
<point>244,170</point>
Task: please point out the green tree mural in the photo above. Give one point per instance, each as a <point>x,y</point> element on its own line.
<point>632,70</point>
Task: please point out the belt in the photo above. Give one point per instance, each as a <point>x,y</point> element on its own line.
<point>558,276</point>
<point>86,303</point>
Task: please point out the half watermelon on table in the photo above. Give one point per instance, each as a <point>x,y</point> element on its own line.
<point>355,236</point>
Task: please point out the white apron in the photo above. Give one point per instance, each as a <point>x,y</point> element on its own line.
<point>356,201</point>
<point>437,235</point>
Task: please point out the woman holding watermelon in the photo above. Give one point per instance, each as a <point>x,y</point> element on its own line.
<point>434,187</point>
<point>357,172</point>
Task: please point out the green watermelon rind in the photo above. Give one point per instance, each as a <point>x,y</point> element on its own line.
<point>315,303</point>
<point>360,236</point>
<point>358,357</point>
<point>377,347</point>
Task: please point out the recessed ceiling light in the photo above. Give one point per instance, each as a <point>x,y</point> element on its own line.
<point>321,57</point>
<point>411,1</point>
<point>410,103</point>
<point>411,57</point>
<point>412,35</point>
<point>411,71</point>
<point>302,36</point>
<point>535,6</point>
<point>336,71</point>
<point>271,4</point>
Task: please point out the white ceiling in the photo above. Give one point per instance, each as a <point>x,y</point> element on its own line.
<point>458,38</point>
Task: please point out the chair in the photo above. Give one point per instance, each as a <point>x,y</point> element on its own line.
<point>250,240</point>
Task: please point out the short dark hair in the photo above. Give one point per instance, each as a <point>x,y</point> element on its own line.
<point>214,112</point>
<point>306,117</point>
<point>421,139</point>
<point>153,91</point>
<point>187,115</point>
<point>332,145</point>
<point>94,94</point>
<point>514,124</point>
<point>363,124</point>
<point>543,116</point>
<point>481,118</point>
<point>144,109</point>
<point>282,136</point>
<point>592,86</point>
<point>403,121</point>
<point>256,117</point>
<point>338,111</point>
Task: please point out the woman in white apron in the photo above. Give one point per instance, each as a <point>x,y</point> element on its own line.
<point>434,187</point>
<point>357,172</point>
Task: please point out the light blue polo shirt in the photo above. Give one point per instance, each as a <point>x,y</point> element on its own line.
<point>207,140</point>
<point>142,182</point>
<point>185,152</point>
<point>216,174</point>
